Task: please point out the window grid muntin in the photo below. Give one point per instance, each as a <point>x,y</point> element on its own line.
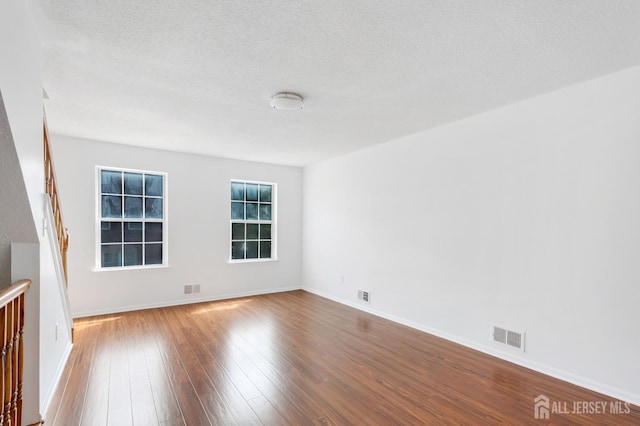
<point>261,200</point>
<point>144,219</point>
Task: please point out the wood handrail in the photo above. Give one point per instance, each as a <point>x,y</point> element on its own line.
<point>10,293</point>
<point>51,188</point>
<point>12,300</point>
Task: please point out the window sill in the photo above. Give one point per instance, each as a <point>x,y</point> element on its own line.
<point>252,260</point>
<point>130,268</point>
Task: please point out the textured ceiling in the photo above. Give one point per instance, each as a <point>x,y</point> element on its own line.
<point>197,75</point>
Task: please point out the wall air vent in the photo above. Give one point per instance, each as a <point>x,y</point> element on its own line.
<point>192,289</point>
<point>514,339</point>
<point>500,335</point>
<point>364,296</point>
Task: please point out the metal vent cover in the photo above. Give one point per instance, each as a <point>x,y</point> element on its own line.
<point>499,335</point>
<point>514,339</point>
<point>192,288</point>
<point>504,336</point>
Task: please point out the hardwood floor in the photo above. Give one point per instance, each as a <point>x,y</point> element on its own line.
<point>293,358</point>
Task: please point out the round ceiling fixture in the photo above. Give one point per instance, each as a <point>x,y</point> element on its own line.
<point>286,101</point>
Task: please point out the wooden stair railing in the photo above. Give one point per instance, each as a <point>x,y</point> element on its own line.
<point>11,330</point>
<point>51,188</point>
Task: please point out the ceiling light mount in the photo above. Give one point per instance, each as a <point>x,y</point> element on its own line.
<point>287,101</point>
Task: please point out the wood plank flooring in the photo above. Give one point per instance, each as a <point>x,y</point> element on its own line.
<point>293,359</point>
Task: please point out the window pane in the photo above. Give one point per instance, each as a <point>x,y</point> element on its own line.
<point>265,249</point>
<point>127,201</point>
<point>152,232</point>
<point>237,211</point>
<point>252,211</point>
<point>111,256</point>
<point>153,185</point>
<point>153,254</point>
<point>252,249</point>
<point>265,211</point>
<point>111,232</point>
<point>133,232</point>
<point>111,206</point>
<point>237,250</point>
<point>237,231</point>
<point>153,208</point>
<point>132,254</point>
<point>251,214</point>
<point>265,232</point>
<point>237,191</point>
<point>252,192</point>
<point>133,207</point>
<point>265,193</point>
<point>252,231</point>
<point>111,182</point>
<point>133,183</point>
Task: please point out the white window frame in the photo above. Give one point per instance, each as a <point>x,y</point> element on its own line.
<point>273,222</point>
<point>99,219</point>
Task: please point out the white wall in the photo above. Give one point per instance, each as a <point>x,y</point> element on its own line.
<point>47,339</point>
<point>25,265</point>
<point>16,223</point>
<point>198,223</point>
<point>55,330</point>
<point>525,217</point>
<point>21,87</point>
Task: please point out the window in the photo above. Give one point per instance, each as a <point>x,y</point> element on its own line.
<point>252,220</point>
<point>132,218</point>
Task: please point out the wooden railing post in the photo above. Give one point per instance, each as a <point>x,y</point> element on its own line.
<point>65,248</point>
<point>3,331</point>
<point>11,331</point>
<point>17,360</point>
<point>51,188</point>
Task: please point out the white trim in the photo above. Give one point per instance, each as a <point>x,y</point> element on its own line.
<point>188,301</point>
<point>56,381</point>
<point>165,219</point>
<point>273,222</point>
<point>57,260</point>
<point>506,356</point>
<point>270,259</point>
<point>131,268</point>
<point>127,170</point>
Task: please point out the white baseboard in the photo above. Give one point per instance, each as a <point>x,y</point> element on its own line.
<point>185,301</point>
<point>566,376</point>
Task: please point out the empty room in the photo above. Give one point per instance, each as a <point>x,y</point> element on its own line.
<point>203,216</point>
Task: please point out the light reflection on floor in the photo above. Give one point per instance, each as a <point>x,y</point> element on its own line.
<point>251,354</point>
<point>92,323</point>
<point>221,307</point>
